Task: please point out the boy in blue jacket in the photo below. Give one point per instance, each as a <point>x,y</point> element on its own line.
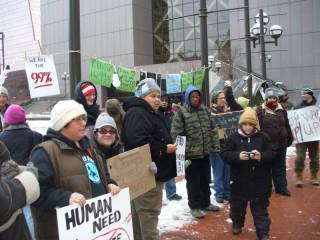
<point>250,155</point>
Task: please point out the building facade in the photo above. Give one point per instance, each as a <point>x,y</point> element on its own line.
<point>296,59</point>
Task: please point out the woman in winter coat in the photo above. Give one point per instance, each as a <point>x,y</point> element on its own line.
<point>143,125</point>
<point>105,138</point>
<point>85,93</point>
<point>70,171</point>
<point>249,154</point>
<point>20,140</point>
<point>274,122</point>
<point>15,193</point>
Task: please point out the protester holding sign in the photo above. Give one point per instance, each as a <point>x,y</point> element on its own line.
<point>194,121</point>
<point>3,105</point>
<point>143,125</point>
<point>85,93</point>
<point>222,102</point>
<point>249,154</point>
<point>70,171</point>
<point>274,122</point>
<point>308,99</point>
<point>166,112</point>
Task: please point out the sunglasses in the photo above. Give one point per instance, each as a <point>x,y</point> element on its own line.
<point>104,131</point>
<point>81,118</point>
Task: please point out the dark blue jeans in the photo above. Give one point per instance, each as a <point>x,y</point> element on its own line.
<point>170,187</point>
<point>221,176</point>
<point>279,174</point>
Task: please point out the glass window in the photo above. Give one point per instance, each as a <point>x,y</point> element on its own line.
<point>178,35</point>
<point>188,33</point>
<point>178,23</point>
<point>188,9</point>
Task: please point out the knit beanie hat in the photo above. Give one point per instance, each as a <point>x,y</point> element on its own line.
<point>105,120</point>
<point>307,90</point>
<point>88,89</point>
<point>271,92</point>
<point>3,90</point>
<point>64,111</point>
<point>249,116</point>
<point>145,87</point>
<point>244,102</point>
<point>14,115</point>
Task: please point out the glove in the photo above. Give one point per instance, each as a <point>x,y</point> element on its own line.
<point>31,168</point>
<point>187,163</point>
<point>9,169</point>
<point>153,168</point>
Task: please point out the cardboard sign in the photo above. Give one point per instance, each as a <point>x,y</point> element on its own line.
<point>103,217</point>
<point>227,122</point>
<point>173,83</point>
<point>42,76</point>
<point>132,169</point>
<point>101,72</point>
<point>305,124</point>
<point>181,155</point>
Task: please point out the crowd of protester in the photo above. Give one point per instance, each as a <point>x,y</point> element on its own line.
<point>68,165</point>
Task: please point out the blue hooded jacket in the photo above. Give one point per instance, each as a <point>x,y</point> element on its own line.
<point>188,92</point>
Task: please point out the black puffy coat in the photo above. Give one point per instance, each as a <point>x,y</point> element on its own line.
<point>144,126</point>
<point>249,179</point>
<point>20,140</point>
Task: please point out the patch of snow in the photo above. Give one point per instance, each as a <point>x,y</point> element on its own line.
<point>40,126</point>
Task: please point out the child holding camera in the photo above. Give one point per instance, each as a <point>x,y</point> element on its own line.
<point>249,154</point>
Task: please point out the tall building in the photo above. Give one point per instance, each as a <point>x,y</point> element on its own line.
<point>133,32</point>
<point>20,24</point>
<point>296,59</point>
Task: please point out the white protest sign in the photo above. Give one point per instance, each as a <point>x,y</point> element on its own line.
<point>42,76</point>
<point>305,124</point>
<point>181,155</point>
<point>105,217</point>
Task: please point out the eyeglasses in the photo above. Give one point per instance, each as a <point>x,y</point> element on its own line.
<point>80,118</point>
<point>104,131</point>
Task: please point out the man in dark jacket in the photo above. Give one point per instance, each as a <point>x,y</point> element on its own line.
<point>3,105</point>
<point>308,99</point>
<point>143,125</point>
<point>249,154</point>
<point>194,121</point>
<point>15,193</point>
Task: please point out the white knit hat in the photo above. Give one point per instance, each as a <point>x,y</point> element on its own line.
<point>105,120</point>
<point>64,111</point>
<point>3,90</point>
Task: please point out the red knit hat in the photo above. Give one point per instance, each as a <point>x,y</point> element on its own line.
<point>88,89</point>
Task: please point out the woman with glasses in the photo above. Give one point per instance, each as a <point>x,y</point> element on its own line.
<point>105,138</point>
<point>70,170</point>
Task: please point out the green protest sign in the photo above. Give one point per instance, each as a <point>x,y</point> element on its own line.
<point>198,78</point>
<point>100,72</point>
<point>186,80</point>
<point>128,78</point>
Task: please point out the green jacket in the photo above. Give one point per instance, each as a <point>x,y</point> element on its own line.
<point>200,130</point>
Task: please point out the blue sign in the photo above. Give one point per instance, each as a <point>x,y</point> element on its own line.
<point>173,83</point>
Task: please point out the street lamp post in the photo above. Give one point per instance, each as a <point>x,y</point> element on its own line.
<point>258,32</point>
<point>204,49</point>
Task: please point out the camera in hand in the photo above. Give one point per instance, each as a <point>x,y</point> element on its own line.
<point>251,155</point>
